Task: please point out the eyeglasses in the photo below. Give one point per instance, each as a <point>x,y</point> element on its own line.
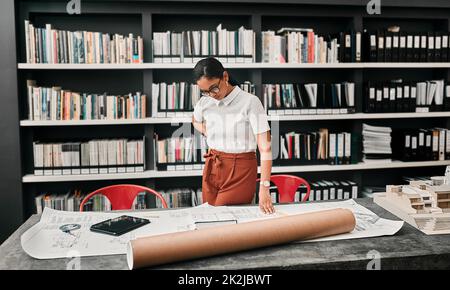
<point>213,91</point>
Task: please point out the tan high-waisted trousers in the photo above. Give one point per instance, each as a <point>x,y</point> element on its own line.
<point>229,178</point>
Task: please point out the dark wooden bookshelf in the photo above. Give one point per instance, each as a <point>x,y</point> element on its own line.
<point>145,17</point>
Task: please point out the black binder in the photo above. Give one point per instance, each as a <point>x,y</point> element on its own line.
<point>445,47</point>
<point>416,48</point>
<point>409,47</point>
<point>430,47</point>
<point>423,48</point>
<point>402,47</point>
<point>372,47</point>
<point>437,46</point>
<point>388,47</point>
<point>380,46</point>
<point>348,48</point>
<point>395,47</point>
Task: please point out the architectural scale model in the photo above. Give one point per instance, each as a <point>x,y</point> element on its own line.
<point>421,204</point>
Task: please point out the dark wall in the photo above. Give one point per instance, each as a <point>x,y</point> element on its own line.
<point>11,207</point>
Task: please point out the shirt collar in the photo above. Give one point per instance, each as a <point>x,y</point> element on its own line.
<point>230,97</point>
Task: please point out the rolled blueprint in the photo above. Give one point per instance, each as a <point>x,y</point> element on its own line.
<point>180,246</point>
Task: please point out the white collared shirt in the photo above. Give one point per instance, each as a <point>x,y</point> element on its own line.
<point>233,122</point>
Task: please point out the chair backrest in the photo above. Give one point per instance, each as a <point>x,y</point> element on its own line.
<point>287,186</point>
<point>122,196</point>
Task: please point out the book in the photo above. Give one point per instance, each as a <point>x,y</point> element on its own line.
<point>179,153</point>
<point>401,96</point>
<point>55,103</point>
<point>318,147</point>
<point>304,45</point>
<point>430,144</point>
<point>53,46</point>
<point>321,190</point>
<point>395,45</point>
<point>229,46</point>
<point>178,99</point>
<point>89,157</point>
<point>310,98</point>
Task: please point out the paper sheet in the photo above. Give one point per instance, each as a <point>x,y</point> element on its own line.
<point>45,241</point>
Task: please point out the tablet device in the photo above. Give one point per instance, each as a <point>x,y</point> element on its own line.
<point>119,226</point>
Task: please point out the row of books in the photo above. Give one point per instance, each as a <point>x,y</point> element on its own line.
<point>190,46</point>
<point>310,98</point>
<point>89,157</point>
<point>321,190</point>
<point>178,99</point>
<point>421,144</point>
<point>180,197</point>
<point>179,153</point>
<point>303,45</point>
<point>292,45</point>
<point>395,45</point>
<point>54,103</point>
<point>71,201</point>
<point>320,147</point>
<point>51,46</point>
<point>399,96</point>
<point>377,143</point>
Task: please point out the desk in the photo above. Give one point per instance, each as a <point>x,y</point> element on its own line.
<point>408,249</point>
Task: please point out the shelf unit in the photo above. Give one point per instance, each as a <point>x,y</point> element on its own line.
<point>145,17</point>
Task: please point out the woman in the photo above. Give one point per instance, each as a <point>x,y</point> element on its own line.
<point>234,123</point>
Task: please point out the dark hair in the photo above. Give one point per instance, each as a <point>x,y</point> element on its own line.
<point>210,67</point>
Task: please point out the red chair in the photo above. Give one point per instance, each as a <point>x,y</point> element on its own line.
<point>287,186</point>
<point>122,196</point>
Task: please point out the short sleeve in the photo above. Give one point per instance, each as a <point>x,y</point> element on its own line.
<point>257,116</point>
<point>198,111</point>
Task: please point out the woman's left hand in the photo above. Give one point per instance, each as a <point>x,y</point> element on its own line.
<point>265,200</point>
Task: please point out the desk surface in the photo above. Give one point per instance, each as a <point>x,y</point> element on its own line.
<point>408,249</point>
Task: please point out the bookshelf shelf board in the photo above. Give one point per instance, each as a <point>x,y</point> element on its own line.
<point>30,178</point>
<point>170,120</point>
<point>358,116</point>
<point>177,120</point>
<point>257,65</point>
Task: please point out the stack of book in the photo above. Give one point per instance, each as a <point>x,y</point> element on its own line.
<point>394,45</point>
<point>180,197</point>
<point>57,104</point>
<point>376,144</point>
<point>311,98</point>
<point>421,144</point>
<point>320,147</point>
<point>89,157</point>
<point>399,96</point>
<point>179,99</point>
<point>303,45</point>
<point>180,153</point>
<point>48,45</point>
<point>191,46</point>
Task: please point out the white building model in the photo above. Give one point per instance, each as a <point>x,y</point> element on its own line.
<point>420,204</point>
